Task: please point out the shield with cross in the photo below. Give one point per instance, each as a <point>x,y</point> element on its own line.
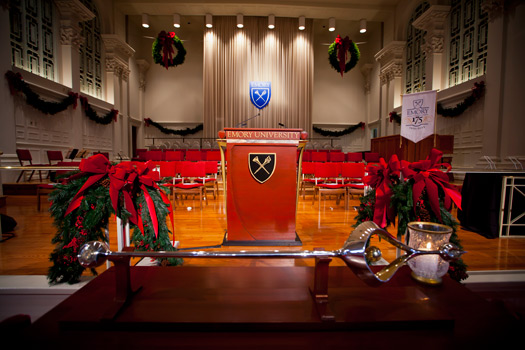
<point>261,165</point>
<point>260,93</point>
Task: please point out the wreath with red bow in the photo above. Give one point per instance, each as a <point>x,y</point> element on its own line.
<point>163,51</point>
<point>338,53</point>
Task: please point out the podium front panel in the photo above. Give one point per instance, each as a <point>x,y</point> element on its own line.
<point>261,192</point>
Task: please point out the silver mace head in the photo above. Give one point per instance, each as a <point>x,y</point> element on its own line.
<point>356,252</point>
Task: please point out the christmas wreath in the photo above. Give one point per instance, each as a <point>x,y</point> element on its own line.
<point>337,54</point>
<point>417,191</point>
<point>83,204</point>
<point>163,50</point>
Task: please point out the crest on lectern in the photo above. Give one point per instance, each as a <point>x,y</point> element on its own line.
<point>260,93</point>
<point>261,165</point>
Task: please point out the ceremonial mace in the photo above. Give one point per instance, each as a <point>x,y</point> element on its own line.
<point>356,252</point>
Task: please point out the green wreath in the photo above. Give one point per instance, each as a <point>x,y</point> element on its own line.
<point>158,57</point>
<point>354,55</point>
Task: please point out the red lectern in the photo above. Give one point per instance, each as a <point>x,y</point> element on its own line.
<point>261,185</point>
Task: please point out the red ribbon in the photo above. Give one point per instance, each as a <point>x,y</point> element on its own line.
<point>379,178</point>
<point>166,40</point>
<point>124,177</point>
<point>427,175</point>
<point>98,166</point>
<point>342,45</point>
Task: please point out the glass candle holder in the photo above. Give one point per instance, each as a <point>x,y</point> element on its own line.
<point>428,236</point>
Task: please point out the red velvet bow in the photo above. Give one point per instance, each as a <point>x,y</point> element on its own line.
<point>342,45</point>
<point>427,175</point>
<point>97,165</point>
<point>166,40</point>
<point>75,96</point>
<point>379,178</point>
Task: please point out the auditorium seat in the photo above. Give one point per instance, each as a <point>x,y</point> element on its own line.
<point>331,185</point>
<point>354,157</point>
<point>25,159</point>
<point>353,176</point>
<point>190,171</point>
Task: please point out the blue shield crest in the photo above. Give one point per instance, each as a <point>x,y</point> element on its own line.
<point>260,93</point>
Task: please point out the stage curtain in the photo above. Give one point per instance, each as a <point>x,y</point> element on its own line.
<point>233,57</point>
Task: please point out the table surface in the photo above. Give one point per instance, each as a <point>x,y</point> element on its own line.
<point>263,307</point>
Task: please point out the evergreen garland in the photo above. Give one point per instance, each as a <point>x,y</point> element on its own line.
<point>182,132</point>
<point>403,203</point>
<point>477,92</point>
<point>346,131</point>
<point>88,221</point>
<point>92,114</point>
<point>17,84</point>
<point>85,224</point>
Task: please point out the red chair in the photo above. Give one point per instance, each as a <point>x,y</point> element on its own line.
<point>354,157</point>
<point>371,157</point>
<point>336,157</point>
<point>308,177</point>
<point>307,155</point>
<point>193,155</point>
<point>190,171</point>
<point>54,156</point>
<point>155,155</point>
<point>174,156</point>
<point>353,175</point>
<point>210,181</point>
<point>24,155</point>
<point>140,154</point>
<point>331,185</point>
<point>319,156</point>
<point>213,155</point>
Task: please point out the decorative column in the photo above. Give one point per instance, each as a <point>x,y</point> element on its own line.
<point>492,118</point>
<point>143,67</point>
<point>71,13</point>
<point>391,61</point>
<point>118,54</point>
<point>433,22</point>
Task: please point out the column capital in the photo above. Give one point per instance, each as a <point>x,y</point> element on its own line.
<point>390,59</point>
<point>118,54</point>
<point>494,8</point>
<point>71,13</point>
<point>433,22</point>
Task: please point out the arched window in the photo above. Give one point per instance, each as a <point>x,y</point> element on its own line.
<point>468,31</point>
<point>91,54</point>
<point>31,34</point>
<point>415,60</point>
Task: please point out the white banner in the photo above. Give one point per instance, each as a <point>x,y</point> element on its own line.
<point>418,115</point>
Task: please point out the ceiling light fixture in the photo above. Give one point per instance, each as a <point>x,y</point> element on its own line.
<point>271,21</point>
<point>240,20</point>
<point>331,24</point>
<point>362,25</point>
<point>145,20</point>
<point>208,21</point>
<point>301,23</point>
<point>176,20</point>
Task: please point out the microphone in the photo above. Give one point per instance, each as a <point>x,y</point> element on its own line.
<point>281,125</point>
<point>245,122</point>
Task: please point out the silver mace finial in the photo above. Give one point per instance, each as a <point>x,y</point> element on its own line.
<point>356,253</point>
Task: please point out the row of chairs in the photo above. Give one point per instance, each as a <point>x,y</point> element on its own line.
<point>178,155</point>
<point>54,158</point>
<point>368,157</point>
<point>190,178</point>
<point>333,178</point>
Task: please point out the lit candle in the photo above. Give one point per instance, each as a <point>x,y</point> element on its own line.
<point>428,264</point>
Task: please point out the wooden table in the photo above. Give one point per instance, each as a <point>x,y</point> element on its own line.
<point>270,307</point>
